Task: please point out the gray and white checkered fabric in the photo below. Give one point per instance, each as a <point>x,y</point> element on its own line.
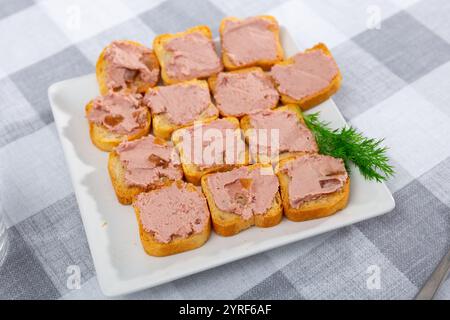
<point>396,85</point>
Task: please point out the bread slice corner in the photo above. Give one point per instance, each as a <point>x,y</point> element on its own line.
<point>264,64</point>
<point>246,127</point>
<point>319,97</point>
<point>192,172</point>
<point>228,224</point>
<point>163,56</point>
<point>106,140</point>
<point>212,81</point>
<point>163,128</point>
<point>158,249</point>
<point>125,193</point>
<point>245,122</point>
<point>325,206</point>
<point>101,66</point>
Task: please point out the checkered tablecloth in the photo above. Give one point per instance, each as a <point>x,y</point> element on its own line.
<point>396,85</point>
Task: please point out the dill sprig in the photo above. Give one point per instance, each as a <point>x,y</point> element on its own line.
<point>351,146</point>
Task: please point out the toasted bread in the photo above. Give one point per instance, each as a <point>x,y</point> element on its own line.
<point>102,78</point>
<point>124,192</point>
<point>319,97</point>
<point>163,128</point>
<point>164,56</point>
<point>192,172</point>
<point>228,224</point>
<point>212,81</point>
<point>158,249</point>
<point>324,206</point>
<point>246,129</point>
<point>265,63</point>
<point>106,140</point>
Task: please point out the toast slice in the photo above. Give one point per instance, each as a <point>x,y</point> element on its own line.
<point>247,127</point>
<point>164,56</point>
<point>124,192</point>
<point>324,206</point>
<point>106,140</point>
<point>178,244</point>
<point>264,63</point>
<point>212,81</point>
<point>228,223</point>
<point>192,171</point>
<point>140,86</point>
<point>308,102</point>
<point>163,127</point>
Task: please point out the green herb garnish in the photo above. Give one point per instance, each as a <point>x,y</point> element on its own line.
<point>351,146</point>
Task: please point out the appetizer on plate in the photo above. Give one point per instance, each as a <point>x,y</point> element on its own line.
<point>244,91</point>
<point>278,133</point>
<point>172,219</point>
<point>243,197</point>
<point>307,78</point>
<point>142,165</point>
<point>179,105</point>
<point>209,147</point>
<point>117,117</point>
<point>187,55</point>
<point>196,140</point>
<point>249,42</point>
<point>313,186</point>
<point>128,66</point>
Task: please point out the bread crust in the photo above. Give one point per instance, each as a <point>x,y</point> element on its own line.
<point>158,249</point>
<point>228,224</point>
<point>325,206</point>
<point>246,126</point>
<point>163,128</point>
<point>163,56</point>
<point>319,97</point>
<point>101,66</point>
<point>105,140</point>
<point>192,172</point>
<point>125,193</point>
<point>264,64</point>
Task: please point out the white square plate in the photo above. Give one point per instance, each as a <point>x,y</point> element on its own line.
<point>112,231</point>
